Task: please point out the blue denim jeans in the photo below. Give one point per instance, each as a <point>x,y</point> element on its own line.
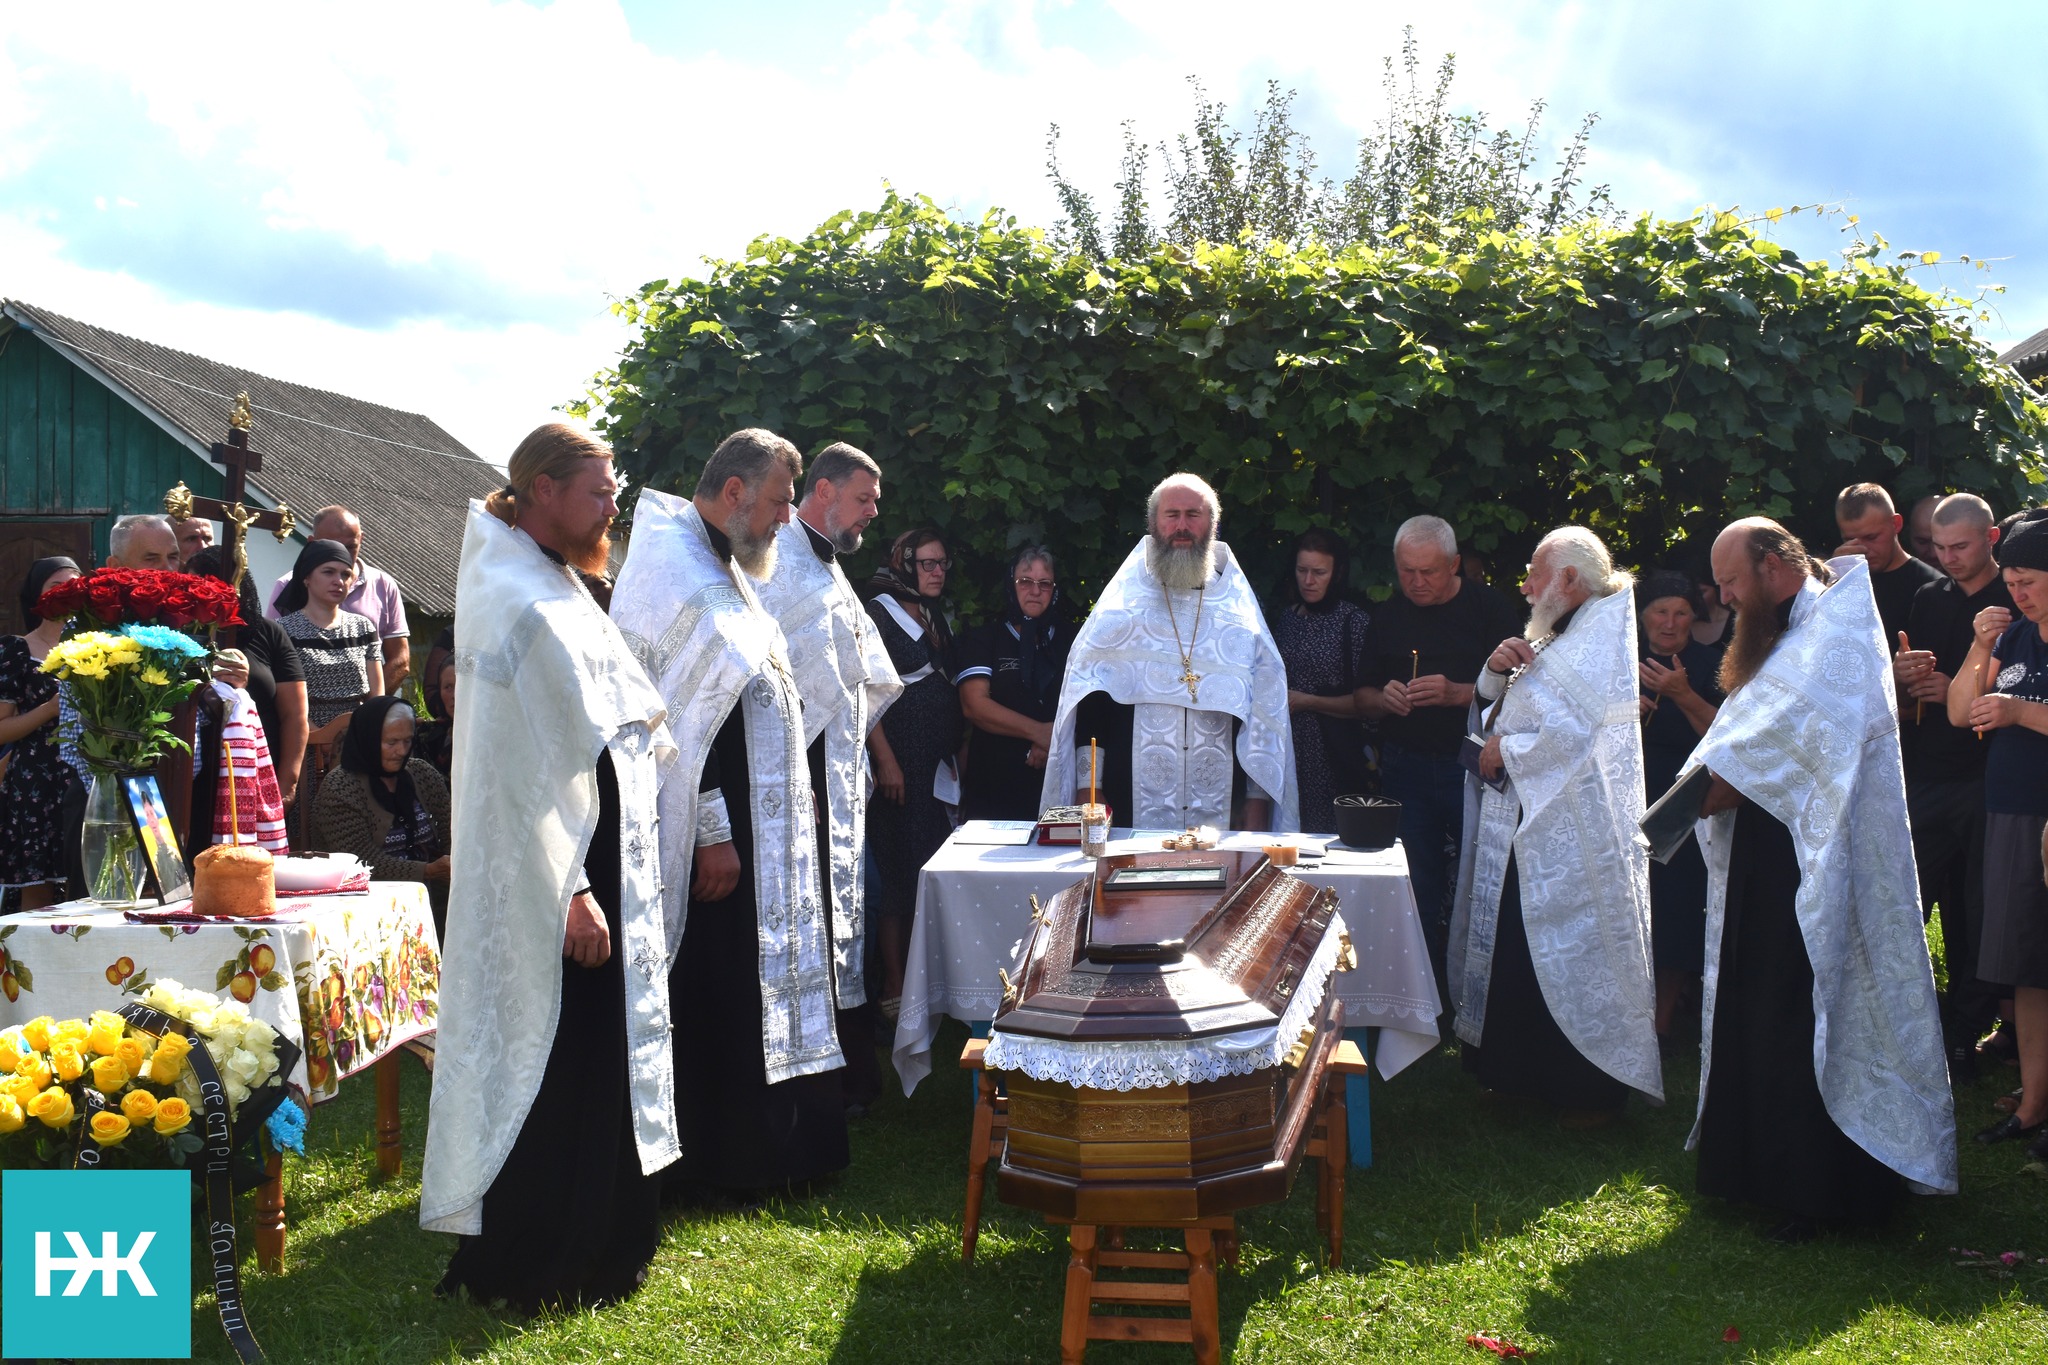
<point>1432,796</point>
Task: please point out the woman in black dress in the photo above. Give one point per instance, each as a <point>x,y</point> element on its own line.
<point>1679,700</point>
<point>32,787</point>
<point>1322,640</point>
<point>921,732</point>
<point>1009,680</point>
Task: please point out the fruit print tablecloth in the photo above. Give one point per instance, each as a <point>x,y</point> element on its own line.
<point>348,978</point>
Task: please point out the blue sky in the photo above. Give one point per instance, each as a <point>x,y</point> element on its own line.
<point>430,202</point>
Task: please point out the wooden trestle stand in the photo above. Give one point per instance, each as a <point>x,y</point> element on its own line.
<point>1180,1158</point>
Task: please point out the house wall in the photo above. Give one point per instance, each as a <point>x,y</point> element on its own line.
<point>72,450</point>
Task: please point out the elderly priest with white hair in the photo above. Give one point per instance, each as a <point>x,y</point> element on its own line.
<point>1822,1080</point>
<point>1178,679</point>
<point>757,1055</point>
<point>1550,936</point>
<point>552,1109</point>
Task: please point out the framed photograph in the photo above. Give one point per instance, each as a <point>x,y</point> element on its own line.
<point>167,875</point>
<point>1200,877</point>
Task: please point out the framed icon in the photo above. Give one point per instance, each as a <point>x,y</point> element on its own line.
<point>168,879</point>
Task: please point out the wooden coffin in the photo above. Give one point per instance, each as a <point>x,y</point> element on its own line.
<point>1137,984</point>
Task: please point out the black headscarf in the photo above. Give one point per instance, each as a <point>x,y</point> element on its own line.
<point>316,553</point>
<point>1035,657</point>
<point>1323,543</point>
<point>39,575</point>
<point>901,584</point>
<point>2023,540</point>
<point>1669,583</point>
<point>362,751</point>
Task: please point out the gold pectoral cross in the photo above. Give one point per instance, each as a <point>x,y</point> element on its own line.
<point>1191,678</point>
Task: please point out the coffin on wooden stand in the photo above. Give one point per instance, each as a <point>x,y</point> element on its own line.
<point>1165,1043</point>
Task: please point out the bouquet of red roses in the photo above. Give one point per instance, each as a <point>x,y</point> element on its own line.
<point>118,597</point>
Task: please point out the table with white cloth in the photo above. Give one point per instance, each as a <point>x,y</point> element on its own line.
<point>974,912</point>
<point>349,978</point>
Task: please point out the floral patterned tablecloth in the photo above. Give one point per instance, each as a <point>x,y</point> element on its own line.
<point>348,978</point>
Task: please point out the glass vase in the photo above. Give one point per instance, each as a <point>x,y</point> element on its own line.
<point>109,849</point>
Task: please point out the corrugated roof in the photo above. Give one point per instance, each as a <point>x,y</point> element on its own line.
<point>2030,357</point>
<point>408,480</point>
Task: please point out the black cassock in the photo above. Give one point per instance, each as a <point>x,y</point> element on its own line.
<point>570,1218</point>
<point>739,1132</point>
<point>1765,1136</point>
<point>1525,1053</point>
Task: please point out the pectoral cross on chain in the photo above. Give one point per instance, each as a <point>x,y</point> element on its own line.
<point>1191,678</point>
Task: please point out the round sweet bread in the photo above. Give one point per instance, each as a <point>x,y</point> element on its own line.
<point>233,879</point>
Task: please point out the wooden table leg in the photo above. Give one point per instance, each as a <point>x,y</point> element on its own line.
<point>390,1150</point>
<point>270,1217</point>
<point>1202,1315</point>
<point>1080,1289</point>
<point>1335,1153</point>
<point>977,1162</point>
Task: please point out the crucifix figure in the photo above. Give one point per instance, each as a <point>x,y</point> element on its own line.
<point>235,456</point>
<point>1191,678</point>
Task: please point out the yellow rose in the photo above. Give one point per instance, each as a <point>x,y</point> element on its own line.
<point>168,1061</point>
<point>21,1088</point>
<point>104,1034</point>
<point>72,1031</point>
<point>66,1062</point>
<point>172,1115</point>
<point>36,1032</point>
<point>108,1075</point>
<point>133,1053</point>
<point>139,1106</point>
<point>108,1128</point>
<point>11,1117</point>
<point>53,1107</point>
<point>10,1052</point>
<point>38,1071</point>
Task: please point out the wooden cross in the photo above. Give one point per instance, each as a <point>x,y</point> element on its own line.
<point>235,517</point>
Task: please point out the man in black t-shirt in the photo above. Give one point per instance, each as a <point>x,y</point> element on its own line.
<point>1423,653</point>
<point>1870,527</point>
<point>1945,764</point>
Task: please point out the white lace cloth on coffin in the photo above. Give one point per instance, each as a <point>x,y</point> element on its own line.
<point>1571,737</point>
<point>1150,1063</point>
<point>1128,649</point>
<point>694,622</point>
<point>1813,739</point>
<point>548,685</point>
<point>846,681</point>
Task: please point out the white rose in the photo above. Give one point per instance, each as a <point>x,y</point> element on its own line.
<point>237,1092</point>
<point>243,1066</point>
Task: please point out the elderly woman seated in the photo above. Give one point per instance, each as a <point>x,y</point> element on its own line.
<point>385,806</point>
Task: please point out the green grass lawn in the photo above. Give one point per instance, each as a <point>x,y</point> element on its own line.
<point>1578,1246</point>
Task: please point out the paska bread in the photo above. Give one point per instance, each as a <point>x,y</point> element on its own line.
<point>238,880</point>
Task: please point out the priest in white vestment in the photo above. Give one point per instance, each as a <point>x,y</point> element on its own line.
<point>758,1095</point>
<point>1549,957</point>
<point>846,681</point>
<point>1177,676</point>
<point>552,1108</point>
<point>1822,1076</point>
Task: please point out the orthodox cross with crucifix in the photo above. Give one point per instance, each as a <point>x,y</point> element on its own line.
<point>235,456</point>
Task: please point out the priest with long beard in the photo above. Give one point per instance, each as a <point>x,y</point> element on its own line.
<point>552,1110</point>
<point>757,1058</point>
<point>846,681</point>
<point>1177,676</point>
<point>1550,932</point>
<point>1822,1080</point>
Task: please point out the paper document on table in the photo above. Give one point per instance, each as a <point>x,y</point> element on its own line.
<point>1015,833</point>
<point>1669,823</point>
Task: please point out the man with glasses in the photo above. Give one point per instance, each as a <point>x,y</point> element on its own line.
<point>1177,675</point>
<point>846,681</point>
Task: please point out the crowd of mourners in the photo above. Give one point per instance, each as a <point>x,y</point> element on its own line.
<point>358,745</point>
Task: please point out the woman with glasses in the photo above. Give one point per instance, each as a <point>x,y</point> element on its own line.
<point>918,738</point>
<point>1322,640</point>
<point>1009,680</point>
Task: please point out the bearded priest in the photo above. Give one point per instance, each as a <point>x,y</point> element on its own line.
<point>1177,677</point>
<point>757,1057</point>
<point>1822,1078</point>
<point>846,681</point>
<point>551,1111</point>
<point>1550,934</point>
